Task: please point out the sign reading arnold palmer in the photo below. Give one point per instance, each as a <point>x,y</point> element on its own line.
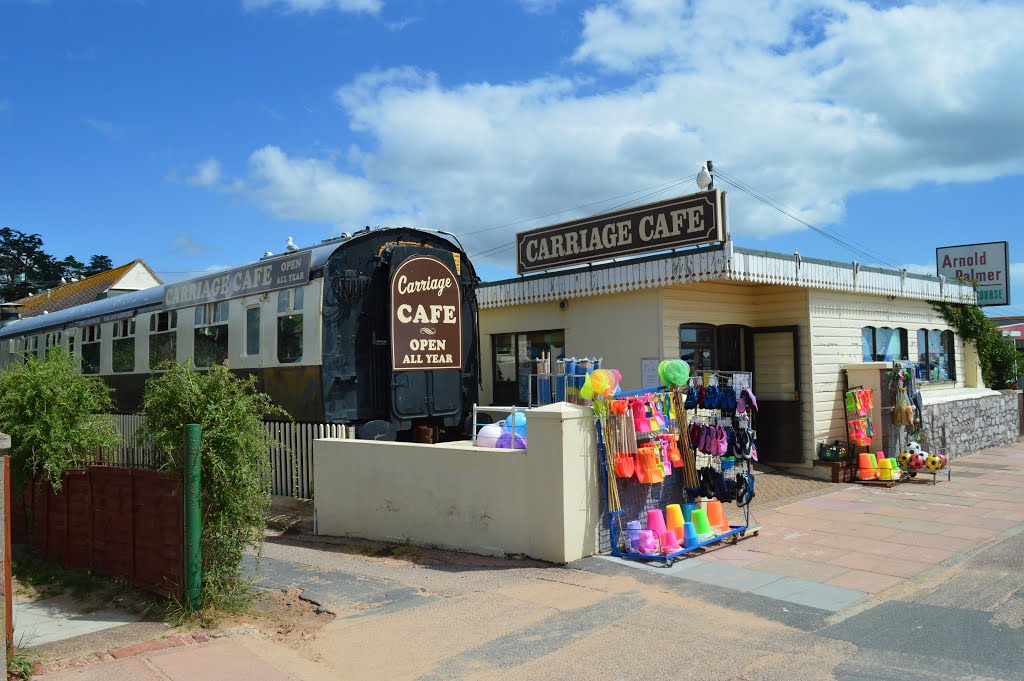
<point>266,275</point>
<point>683,221</point>
<point>426,316</point>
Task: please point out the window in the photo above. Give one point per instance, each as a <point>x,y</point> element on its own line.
<point>163,338</point>
<point>52,340</point>
<point>71,341</point>
<point>91,349</point>
<point>252,331</point>
<point>123,346</point>
<point>697,345</point>
<point>883,344</point>
<point>211,334</point>
<point>935,355</point>
<point>289,326</point>
<point>513,360</point>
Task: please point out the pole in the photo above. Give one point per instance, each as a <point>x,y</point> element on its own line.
<point>193,518</point>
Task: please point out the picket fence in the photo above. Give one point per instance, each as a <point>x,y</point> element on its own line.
<point>291,455</point>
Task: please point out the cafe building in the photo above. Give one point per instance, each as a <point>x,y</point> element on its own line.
<point>664,280</point>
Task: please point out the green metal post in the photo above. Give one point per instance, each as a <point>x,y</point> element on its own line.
<point>193,518</point>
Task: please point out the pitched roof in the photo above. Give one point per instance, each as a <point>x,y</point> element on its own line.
<point>76,292</point>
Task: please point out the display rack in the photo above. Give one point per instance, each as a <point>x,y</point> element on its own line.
<point>676,428</point>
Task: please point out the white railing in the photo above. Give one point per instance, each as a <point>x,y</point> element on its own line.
<point>291,457</point>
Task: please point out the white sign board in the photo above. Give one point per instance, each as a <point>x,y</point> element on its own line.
<point>649,373</point>
<point>987,266</point>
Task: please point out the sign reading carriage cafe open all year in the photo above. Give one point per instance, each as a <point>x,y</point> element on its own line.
<point>986,265</point>
<point>683,221</point>
<point>426,316</point>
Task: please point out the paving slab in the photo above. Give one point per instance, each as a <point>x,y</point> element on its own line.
<point>37,622</point>
<point>227,661</point>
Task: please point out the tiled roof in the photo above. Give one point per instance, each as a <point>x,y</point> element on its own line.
<point>74,293</point>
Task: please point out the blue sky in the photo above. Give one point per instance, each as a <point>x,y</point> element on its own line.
<point>197,135</point>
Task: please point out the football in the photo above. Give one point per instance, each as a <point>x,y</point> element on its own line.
<point>914,448</point>
<point>903,458</point>
<point>933,462</point>
<point>916,461</point>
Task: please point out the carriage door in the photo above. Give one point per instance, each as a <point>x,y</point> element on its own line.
<point>426,333</point>
<point>777,389</point>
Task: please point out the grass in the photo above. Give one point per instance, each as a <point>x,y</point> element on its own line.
<point>19,665</point>
<point>42,579</point>
<point>404,551</point>
<point>181,613</point>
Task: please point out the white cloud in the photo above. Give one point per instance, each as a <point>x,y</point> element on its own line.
<point>207,174</point>
<point>311,6</point>
<point>809,102</point>
<point>185,242</point>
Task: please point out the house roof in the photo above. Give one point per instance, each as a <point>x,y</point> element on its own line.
<point>721,262</point>
<point>78,292</point>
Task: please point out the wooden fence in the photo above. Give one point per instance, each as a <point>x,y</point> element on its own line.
<point>291,457</point>
<point>124,523</point>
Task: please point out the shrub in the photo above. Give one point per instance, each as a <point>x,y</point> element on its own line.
<point>55,416</point>
<point>997,355</point>
<point>235,466</point>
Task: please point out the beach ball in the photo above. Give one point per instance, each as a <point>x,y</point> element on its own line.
<point>903,458</point>
<point>488,435</point>
<point>520,424</point>
<point>510,440</point>
<point>916,461</point>
<point>945,461</point>
<point>933,462</point>
<point>914,448</point>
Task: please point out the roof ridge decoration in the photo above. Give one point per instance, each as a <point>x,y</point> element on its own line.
<point>726,263</point>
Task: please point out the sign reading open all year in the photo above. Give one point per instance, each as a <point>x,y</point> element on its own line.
<point>426,316</point>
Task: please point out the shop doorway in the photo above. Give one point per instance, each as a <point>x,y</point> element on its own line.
<point>776,355</point>
<point>514,358</point>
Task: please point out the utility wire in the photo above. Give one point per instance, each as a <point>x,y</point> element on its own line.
<point>861,251</point>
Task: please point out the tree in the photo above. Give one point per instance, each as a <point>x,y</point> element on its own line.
<point>97,264</point>
<point>56,417</point>
<point>24,266</point>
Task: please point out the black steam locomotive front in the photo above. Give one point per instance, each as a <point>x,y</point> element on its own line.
<point>400,333</point>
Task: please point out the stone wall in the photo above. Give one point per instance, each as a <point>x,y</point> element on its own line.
<point>960,427</point>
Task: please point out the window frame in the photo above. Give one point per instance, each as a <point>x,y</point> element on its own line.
<point>203,313</point>
<point>877,356</point>
<point>92,335</point>
<point>712,358</point>
<point>259,330</point>
<point>290,304</point>
<point>947,342</point>
<point>169,320</point>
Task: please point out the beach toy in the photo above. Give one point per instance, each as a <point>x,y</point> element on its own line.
<point>669,542</point>
<point>674,373</point>
<point>933,462</point>
<point>689,536</point>
<point>633,534</point>
<point>903,458</point>
<point>916,461</point>
<point>488,435</point>
<point>648,542</point>
<point>700,523</point>
<point>624,465</point>
<point>688,512</point>
<point>885,473</point>
<point>716,516</point>
<point>519,419</point>
<point>914,448</point>
<point>674,519</point>
<point>945,461</point>
<point>656,520</point>
<point>875,458</point>
<point>511,441</point>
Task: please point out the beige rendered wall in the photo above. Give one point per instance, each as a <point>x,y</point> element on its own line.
<point>622,328</point>
<point>836,323</point>
<point>541,502</point>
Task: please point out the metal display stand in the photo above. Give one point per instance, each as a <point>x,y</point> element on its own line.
<point>692,494</point>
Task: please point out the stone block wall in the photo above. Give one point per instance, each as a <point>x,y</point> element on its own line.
<point>964,426</point>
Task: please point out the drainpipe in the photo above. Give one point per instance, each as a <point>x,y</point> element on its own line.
<point>193,517</point>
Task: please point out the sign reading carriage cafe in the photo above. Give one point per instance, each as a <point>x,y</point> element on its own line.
<point>683,221</point>
<point>426,316</point>
<point>266,275</point>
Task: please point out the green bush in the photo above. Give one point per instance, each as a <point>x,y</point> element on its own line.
<point>234,462</point>
<point>56,417</point>
<point>1000,362</point>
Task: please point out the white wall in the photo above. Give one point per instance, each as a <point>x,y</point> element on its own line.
<point>541,502</point>
<point>136,279</point>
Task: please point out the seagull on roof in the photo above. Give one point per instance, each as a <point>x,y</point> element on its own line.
<point>291,245</point>
<point>267,254</point>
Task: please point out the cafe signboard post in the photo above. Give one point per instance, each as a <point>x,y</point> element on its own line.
<point>674,223</point>
<point>426,316</point>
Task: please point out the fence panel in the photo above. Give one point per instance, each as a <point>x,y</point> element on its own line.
<point>112,522</point>
<point>158,531</point>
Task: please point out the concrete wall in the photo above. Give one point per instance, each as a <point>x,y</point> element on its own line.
<point>957,427</point>
<point>541,502</point>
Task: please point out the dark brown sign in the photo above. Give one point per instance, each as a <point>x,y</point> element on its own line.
<point>426,316</point>
<point>683,221</point>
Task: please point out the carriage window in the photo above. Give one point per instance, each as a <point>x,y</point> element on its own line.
<point>91,349</point>
<point>211,334</point>
<point>71,341</point>
<point>163,339</point>
<point>123,346</point>
<point>252,331</point>
<point>289,326</point>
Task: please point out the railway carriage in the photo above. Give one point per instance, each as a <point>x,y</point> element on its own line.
<point>377,329</point>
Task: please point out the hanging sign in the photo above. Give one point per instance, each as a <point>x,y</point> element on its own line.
<point>426,316</point>
<point>683,221</point>
<point>987,266</point>
<point>267,275</point>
